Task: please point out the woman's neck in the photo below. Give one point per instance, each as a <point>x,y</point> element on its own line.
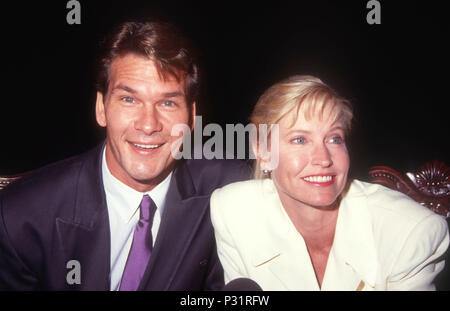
<point>316,224</point>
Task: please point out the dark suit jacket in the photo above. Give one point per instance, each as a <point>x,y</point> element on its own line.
<point>58,213</point>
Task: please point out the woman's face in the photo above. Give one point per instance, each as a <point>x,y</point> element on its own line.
<point>313,161</point>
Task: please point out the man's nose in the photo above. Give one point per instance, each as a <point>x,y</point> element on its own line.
<point>148,120</point>
<point>321,156</point>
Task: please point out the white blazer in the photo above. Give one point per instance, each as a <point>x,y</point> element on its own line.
<point>383,241</point>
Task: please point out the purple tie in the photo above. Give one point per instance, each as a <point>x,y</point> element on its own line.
<point>141,248</point>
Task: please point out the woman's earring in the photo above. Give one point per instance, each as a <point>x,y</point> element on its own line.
<point>265,172</point>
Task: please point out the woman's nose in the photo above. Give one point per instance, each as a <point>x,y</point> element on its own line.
<point>321,156</point>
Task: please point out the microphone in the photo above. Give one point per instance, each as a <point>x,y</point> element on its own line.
<point>242,284</point>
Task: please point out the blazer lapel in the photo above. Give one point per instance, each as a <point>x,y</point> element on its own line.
<point>281,248</point>
<point>183,213</point>
<point>353,263</point>
<point>294,270</point>
<point>85,236</point>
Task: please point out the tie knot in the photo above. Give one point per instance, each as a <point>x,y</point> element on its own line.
<point>148,208</point>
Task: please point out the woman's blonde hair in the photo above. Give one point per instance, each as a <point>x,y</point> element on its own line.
<point>309,96</point>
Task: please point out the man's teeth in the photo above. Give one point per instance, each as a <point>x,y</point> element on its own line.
<point>146,146</point>
<point>318,178</point>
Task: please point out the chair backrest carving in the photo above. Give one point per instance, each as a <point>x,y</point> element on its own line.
<point>429,185</point>
<point>7,179</point>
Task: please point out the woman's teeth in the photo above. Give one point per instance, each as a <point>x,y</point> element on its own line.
<point>318,178</point>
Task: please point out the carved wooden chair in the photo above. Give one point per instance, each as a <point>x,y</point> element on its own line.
<point>430,185</point>
<point>7,179</point>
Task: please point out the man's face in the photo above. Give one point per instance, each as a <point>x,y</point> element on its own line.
<point>139,111</point>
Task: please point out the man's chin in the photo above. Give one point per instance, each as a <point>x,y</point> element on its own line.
<point>147,178</point>
<point>152,177</point>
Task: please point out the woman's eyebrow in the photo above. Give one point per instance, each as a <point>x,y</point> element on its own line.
<point>334,128</point>
<point>299,131</point>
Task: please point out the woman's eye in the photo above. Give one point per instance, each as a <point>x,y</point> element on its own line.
<point>298,140</point>
<point>336,140</point>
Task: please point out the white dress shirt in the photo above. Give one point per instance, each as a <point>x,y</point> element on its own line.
<point>123,209</point>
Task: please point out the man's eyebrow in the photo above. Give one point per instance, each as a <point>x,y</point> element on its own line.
<point>173,94</point>
<point>133,91</point>
<point>124,88</point>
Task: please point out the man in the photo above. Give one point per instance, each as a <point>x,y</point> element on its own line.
<point>125,215</point>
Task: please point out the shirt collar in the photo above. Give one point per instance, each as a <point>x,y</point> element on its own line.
<point>127,198</point>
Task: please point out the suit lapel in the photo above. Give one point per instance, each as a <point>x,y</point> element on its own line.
<point>183,213</point>
<point>85,236</point>
<point>353,264</point>
<point>293,266</point>
<point>281,248</point>
<point>293,269</point>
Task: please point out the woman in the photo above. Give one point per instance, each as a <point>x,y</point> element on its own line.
<point>301,225</point>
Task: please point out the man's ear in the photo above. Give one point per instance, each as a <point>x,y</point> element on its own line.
<point>193,113</point>
<point>100,114</point>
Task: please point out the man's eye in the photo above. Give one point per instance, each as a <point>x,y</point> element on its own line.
<point>128,99</point>
<point>168,103</point>
<point>336,140</point>
<point>298,140</point>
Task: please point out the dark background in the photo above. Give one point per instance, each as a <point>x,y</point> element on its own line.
<point>394,73</point>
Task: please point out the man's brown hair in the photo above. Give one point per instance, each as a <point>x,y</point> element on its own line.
<point>162,43</point>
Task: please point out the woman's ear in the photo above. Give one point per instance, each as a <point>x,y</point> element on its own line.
<point>265,164</point>
<point>253,147</point>
<point>261,155</point>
